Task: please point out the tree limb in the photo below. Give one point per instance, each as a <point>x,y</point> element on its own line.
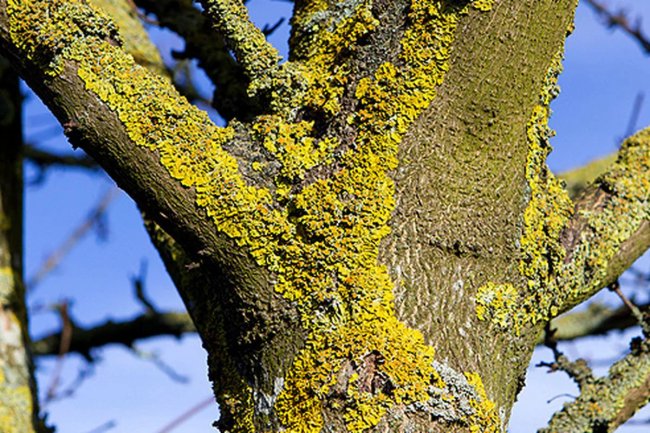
<point>578,179</point>
<point>619,20</point>
<point>85,339</point>
<point>609,229</point>
<point>607,402</point>
<point>207,45</point>
<point>135,37</point>
<point>115,132</point>
<point>253,52</point>
<point>598,319</point>
<point>44,159</point>
<point>174,162</point>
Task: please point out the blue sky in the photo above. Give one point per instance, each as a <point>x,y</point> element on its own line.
<point>604,71</point>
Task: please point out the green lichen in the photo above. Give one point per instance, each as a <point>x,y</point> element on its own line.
<point>322,240</point>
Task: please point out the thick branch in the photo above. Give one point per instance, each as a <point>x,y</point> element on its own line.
<point>578,179</point>
<point>123,332</point>
<point>230,17</point>
<point>135,37</point>
<point>208,47</point>
<point>609,229</point>
<point>167,155</point>
<point>606,403</point>
<point>116,136</point>
<point>598,319</point>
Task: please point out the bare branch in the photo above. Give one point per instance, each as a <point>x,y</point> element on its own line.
<point>83,374</point>
<point>187,415</point>
<point>609,401</point>
<point>84,340</point>
<point>56,257</point>
<point>206,45</point>
<point>578,370</point>
<point>598,319</point>
<point>160,364</point>
<point>268,30</point>
<point>620,20</point>
<point>44,159</point>
<point>109,425</point>
<point>64,347</point>
<point>138,284</point>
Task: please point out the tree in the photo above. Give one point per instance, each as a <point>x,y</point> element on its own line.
<point>377,208</point>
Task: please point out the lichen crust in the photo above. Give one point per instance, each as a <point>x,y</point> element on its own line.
<point>548,211</point>
<point>321,240</point>
<point>553,279</point>
<point>15,394</point>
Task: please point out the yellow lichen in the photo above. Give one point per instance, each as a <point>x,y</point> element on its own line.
<point>548,210</point>
<point>15,410</point>
<point>553,282</point>
<point>497,303</point>
<point>136,39</point>
<point>324,252</point>
<point>485,418</point>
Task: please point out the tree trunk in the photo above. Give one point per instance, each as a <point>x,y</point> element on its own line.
<point>18,394</point>
<point>378,248</point>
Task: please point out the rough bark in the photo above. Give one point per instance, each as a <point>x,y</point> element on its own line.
<point>18,392</point>
<point>346,254</point>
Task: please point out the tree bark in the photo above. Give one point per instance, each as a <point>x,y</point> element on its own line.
<point>347,253</point>
<point>18,392</point>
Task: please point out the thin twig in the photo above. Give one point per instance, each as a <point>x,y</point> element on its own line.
<point>577,370</point>
<point>268,30</point>
<point>634,116</point>
<point>616,288</point>
<point>142,16</point>
<point>621,21</point>
<point>158,362</point>
<point>104,427</point>
<point>66,337</point>
<point>139,285</point>
<point>187,415</point>
<point>82,375</point>
<point>56,257</point>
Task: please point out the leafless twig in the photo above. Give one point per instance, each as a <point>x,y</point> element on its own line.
<point>187,415</point>
<point>104,427</point>
<point>56,257</point>
<point>620,20</point>
<point>66,336</point>
<point>158,362</point>
<point>139,285</point>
